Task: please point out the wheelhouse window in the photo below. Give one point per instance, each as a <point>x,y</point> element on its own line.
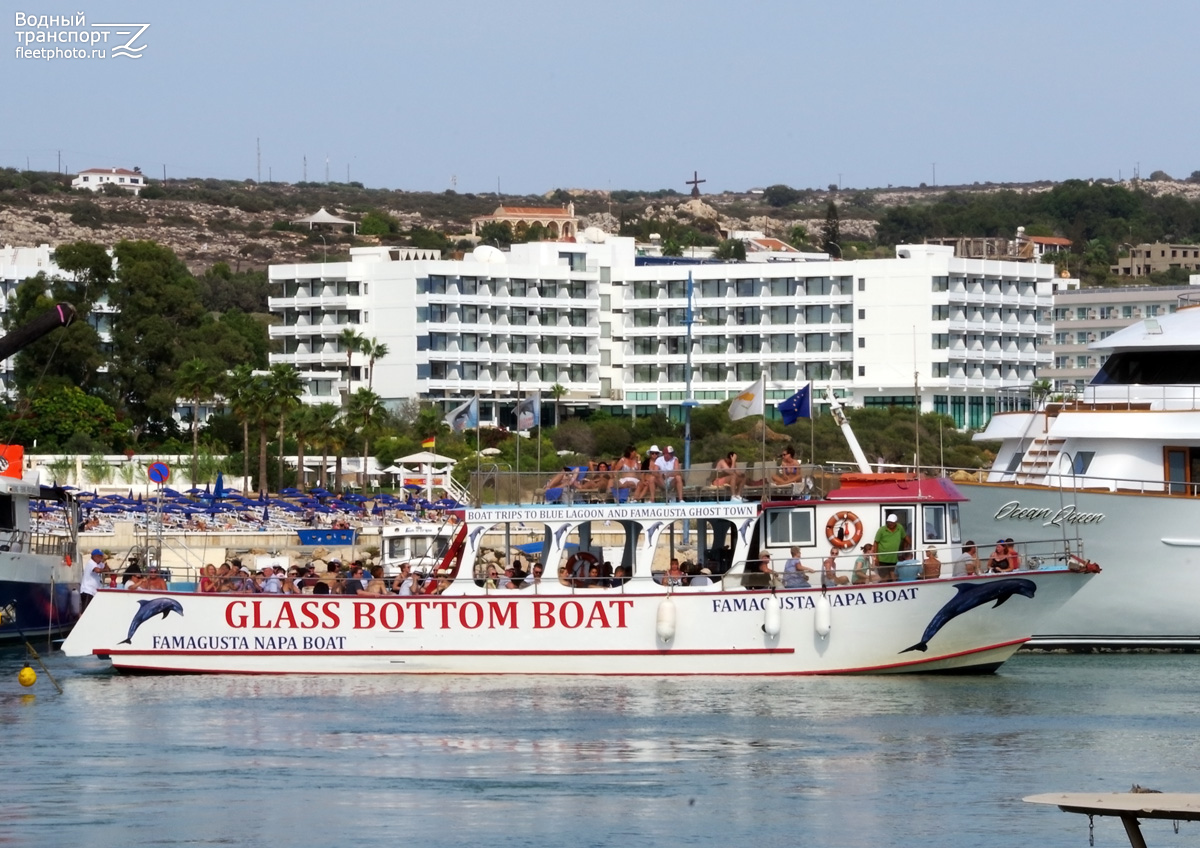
<point>790,527</point>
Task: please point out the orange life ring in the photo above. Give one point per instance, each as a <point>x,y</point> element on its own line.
<point>844,530</point>
<point>582,556</point>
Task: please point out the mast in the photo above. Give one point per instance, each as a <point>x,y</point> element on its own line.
<point>839,416</point>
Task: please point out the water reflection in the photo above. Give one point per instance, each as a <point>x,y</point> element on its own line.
<point>866,761</point>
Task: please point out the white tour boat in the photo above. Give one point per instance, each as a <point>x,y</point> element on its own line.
<point>601,597</point>
<point>1117,468</point>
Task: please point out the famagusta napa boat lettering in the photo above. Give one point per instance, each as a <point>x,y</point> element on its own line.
<point>1053,517</point>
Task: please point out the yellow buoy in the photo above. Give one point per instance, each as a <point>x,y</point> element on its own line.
<point>27,676</point>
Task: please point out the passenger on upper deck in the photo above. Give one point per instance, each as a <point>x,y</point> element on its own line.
<point>670,475</point>
<point>567,480</point>
<point>789,468</point>
<point>727,474</point>
<point>627,471</point>
<point>649,481</point>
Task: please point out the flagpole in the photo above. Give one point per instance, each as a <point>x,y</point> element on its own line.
<point>477,429</point>
<point>764,430</point>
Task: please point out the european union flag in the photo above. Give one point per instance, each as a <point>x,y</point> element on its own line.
<point>797,406</point>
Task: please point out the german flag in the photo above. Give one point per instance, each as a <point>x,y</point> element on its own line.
<point>430,443</point>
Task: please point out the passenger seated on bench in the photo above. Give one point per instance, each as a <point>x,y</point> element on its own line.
<point>649,481</point>
<point>795,573</point>
<point>669,472</point>
<point>760,576</point>
<point>598,479</point>
<point>789,468</point>
<point>728,475</point>
<point>626,472</point>
<point>829,575</point>
<point>566,481</point>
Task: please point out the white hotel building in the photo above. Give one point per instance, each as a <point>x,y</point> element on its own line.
<point>924,327</point>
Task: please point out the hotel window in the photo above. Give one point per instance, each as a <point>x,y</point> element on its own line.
<point>781,343</point>
<point>517,288</point>
<point>645,290</point>
<point>644,318</point>
<point>748,315</point>
<point>1081,362</point>
<point>712,344</point>
<point>941,369</point>
<point>1108,312</point>
<point>437,313</point>
<point>438,341</point>
<point>941,284</point>
<point>862,284</point>
<point>437,284</point>
<point>941,341</point>
<point>676,373</point>
<point>862,342</point>
<point>748,344</point>
<point>782,288</point>
<point>677,288</point>
<point>713,316</point>
<point>1152,309</point>
<point>862,370</point>
<point>783,370</point>
<point>578,289</point>
<point>470,314</point>
<point>645,346</point>
<point>469,342</point>
<point>519,344</point>
<point>712,373</point>
<point>1061,338</point>
<point>1081,313</point>
<point>1081,338</point>
<point>748,371</point>
<point>1126,311</point>
<point>518,371</point>
<point>469,370</point>
<point>437,370</point>
<point>747,288</point>
<point>817,286</point>
<point>468,285</point>
<point>941,312</point>
<point>712,288</point>
<point>782,315</point>
<point>818,314</point>
<point>862,314</point>
<point>644,374</point>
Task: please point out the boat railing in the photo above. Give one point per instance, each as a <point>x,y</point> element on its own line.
<point>41,543</point>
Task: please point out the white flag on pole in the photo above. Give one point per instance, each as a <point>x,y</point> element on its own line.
<point>749,402</point>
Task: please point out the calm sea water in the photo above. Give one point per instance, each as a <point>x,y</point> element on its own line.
<point>872,761</point>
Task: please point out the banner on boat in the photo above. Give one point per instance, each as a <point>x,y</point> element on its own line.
<point>12,460</point>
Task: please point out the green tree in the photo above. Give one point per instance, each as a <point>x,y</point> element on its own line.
<point>376,223</point>
<point>196,380</point>
<point>242,385</point>
<point>350,341</point>
<point>557,391</point>
<point>55,415</point>
<point>831,232</point>
<point>366,414</point>
<point>284,387</point>
<point>732,249</point>
<point>496,233</point>
<point>157,311</point>
<point>373,350</point>
<point>304,426</point>
<point>324,421</point>
<point>780,196</point>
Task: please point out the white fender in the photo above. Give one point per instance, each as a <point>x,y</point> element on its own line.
<point>772,619</point>
<point>665,622</point>
<point>823,616</point>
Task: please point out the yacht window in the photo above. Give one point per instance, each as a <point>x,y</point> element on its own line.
<point>935,522</point>
<point>790,527</point>
<point>1083,461</point>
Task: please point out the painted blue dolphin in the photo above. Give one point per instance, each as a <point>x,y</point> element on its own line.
<point>147,610</point>
<point>475,534</point>
<point>971,595</point>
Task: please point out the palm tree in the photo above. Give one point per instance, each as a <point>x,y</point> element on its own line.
<point>196,380</point>
<point>366,413</point>
<point>324,422</point>
<point>284,386</point>
<point>302,422</point>
<point>557,391</point>
<point>351,341</point>
<point>374,350</point>
<point>241,383</point>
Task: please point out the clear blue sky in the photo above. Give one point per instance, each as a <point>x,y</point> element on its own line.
<point>541,95</point>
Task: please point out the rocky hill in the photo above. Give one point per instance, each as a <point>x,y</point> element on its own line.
<point>247,225</point>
